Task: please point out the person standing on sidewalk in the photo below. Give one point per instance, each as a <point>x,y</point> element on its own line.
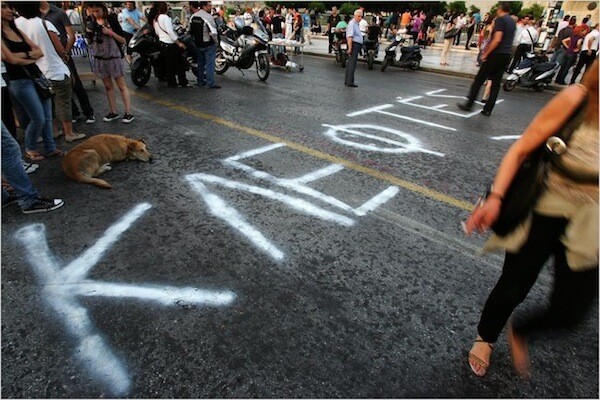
<point>588,52</point>
<point>461,22</point>
<point>332,22</point>
<point>61,21</point>
<point>204,31</point>
<point>495,60</point>
<point>560,51</point>
<point>306,27</point>
<point>355,41</point>
<point>472,24</point>
<point>563,224</point>
<point>447,44</point>
<point>573,45</point>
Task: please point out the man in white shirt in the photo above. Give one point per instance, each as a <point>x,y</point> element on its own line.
<point>461,22</point>
<point>53,66</point>
<point>527,40</point>
<point>588,52</point>
<point>562,24</point>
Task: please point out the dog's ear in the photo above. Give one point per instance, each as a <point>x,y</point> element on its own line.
<point>141,140</point>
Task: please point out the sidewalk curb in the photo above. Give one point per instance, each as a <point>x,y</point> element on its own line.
<point>551,87</point>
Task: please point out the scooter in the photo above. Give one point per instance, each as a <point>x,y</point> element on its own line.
<point>146,44</point>
<point>371,49</point>
<point>402,56</point>
<point>533,72</point>
<point>243,47</point>
<point>340,48</point>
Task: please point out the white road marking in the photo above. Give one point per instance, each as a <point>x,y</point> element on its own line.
<point>508,137</point>
<point>379,110</point>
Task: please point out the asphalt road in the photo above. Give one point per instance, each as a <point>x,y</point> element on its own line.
<point>224,275</point>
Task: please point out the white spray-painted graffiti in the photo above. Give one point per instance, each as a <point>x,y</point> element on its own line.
<point>221,209</point>
<point>347,134</point>
<point>62,286</point>
<point>440,107</point>
<point>507,137</point>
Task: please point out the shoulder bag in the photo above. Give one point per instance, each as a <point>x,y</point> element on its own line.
<point>530,180</point>
<point>451,33</point>
<point>43,86</point>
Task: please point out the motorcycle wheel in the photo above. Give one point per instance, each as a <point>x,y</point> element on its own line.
<point>141,75</point>
<point>386,62</point>
<point>540,87</point>
<point>415,66</point>
<point>338,58</point>
<point>343,57</point>
<point>263,67</point>
<point>509,85</point>
<point>220,63</point>
<point>370,59</point>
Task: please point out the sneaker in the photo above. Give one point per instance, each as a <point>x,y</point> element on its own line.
<point>12,198</point>
<point>43,205</point>
<point>110,117</point>
<point>127,118</point>
<point>90,119</point>
<point>29,167</point>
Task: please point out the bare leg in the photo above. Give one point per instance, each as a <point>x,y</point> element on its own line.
<point>110,93</point>
<point>124,93</point>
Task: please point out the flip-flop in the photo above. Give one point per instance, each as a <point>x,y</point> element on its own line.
<point>56,153</point>
<point>479,361</point>
<point>34,156</point>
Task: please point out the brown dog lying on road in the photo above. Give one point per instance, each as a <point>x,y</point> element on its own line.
<point>92,158</point>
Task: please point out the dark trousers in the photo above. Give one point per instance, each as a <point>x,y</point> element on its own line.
<point>586,60</point>
<point>518,56</point>
<point>8,118</point>
<point>492,68</point>
<point>351,64</point>
<point>331,40</point>
<point>79,90</point>
<point>567,63</point>
<point>572,294</point>
<point>470,32</point>
<point>174,64</point>
<point>457,37</point>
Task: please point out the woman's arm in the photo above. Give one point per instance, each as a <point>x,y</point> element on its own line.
<point>566,42</point>
<point>545,124</point>
<point>36,51</point>
<point>11,58</point>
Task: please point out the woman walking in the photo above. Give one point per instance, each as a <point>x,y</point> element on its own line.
<point>447,42</point>
<point>19,54</point>
<point>170,46</point>
<point>564,224</point>
<point>103,32</point>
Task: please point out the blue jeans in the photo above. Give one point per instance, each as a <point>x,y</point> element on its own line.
<point>206,64</point>
<point>35,114</point>
<point>13,171</point>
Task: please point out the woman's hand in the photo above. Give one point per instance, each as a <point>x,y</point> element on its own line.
<point>36,53</point>
<point>484,215</point>
<point>107,31</point>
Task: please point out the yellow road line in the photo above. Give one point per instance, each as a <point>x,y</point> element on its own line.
<point>413,187</point>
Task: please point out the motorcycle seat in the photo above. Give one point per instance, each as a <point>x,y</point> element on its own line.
<point>544,67</point>
<point>409,49</point>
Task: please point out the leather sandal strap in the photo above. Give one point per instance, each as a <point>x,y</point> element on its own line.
<point>478,361</point>
<point>483,341</point>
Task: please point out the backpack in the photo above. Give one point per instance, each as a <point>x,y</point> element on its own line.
<point>199,29</point>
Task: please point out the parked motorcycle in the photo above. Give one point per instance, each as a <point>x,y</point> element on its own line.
<point>370,47</point>
<point>533,72</point>
<point>340,48</point>
<point>146,44</point>
<point>243,47</point>
<point>402,56</point>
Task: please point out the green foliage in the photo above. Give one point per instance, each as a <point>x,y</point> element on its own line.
<point>515,7</point>
<point>536,10</point>
<point>458,7</point>
<point>349,8</point>
<point>318,6</point>
<point>473,9</point>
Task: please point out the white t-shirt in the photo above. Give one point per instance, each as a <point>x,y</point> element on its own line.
<point>163,27</point>
<point>518,31</point>
<point>593,34</point>
<point>528,34</point>
<point>561,25</point>
<point>51,65</point>
<point>460,22</point>
<point>363,25</point>
<point>2,71</point>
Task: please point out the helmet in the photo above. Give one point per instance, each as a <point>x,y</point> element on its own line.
<point>239,23</point>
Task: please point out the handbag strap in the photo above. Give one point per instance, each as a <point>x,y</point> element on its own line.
<point>530,37</point>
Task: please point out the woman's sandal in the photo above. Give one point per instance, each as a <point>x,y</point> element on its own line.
<point>56,153</point>
<point>482,364</point>
<point>34,156</point>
